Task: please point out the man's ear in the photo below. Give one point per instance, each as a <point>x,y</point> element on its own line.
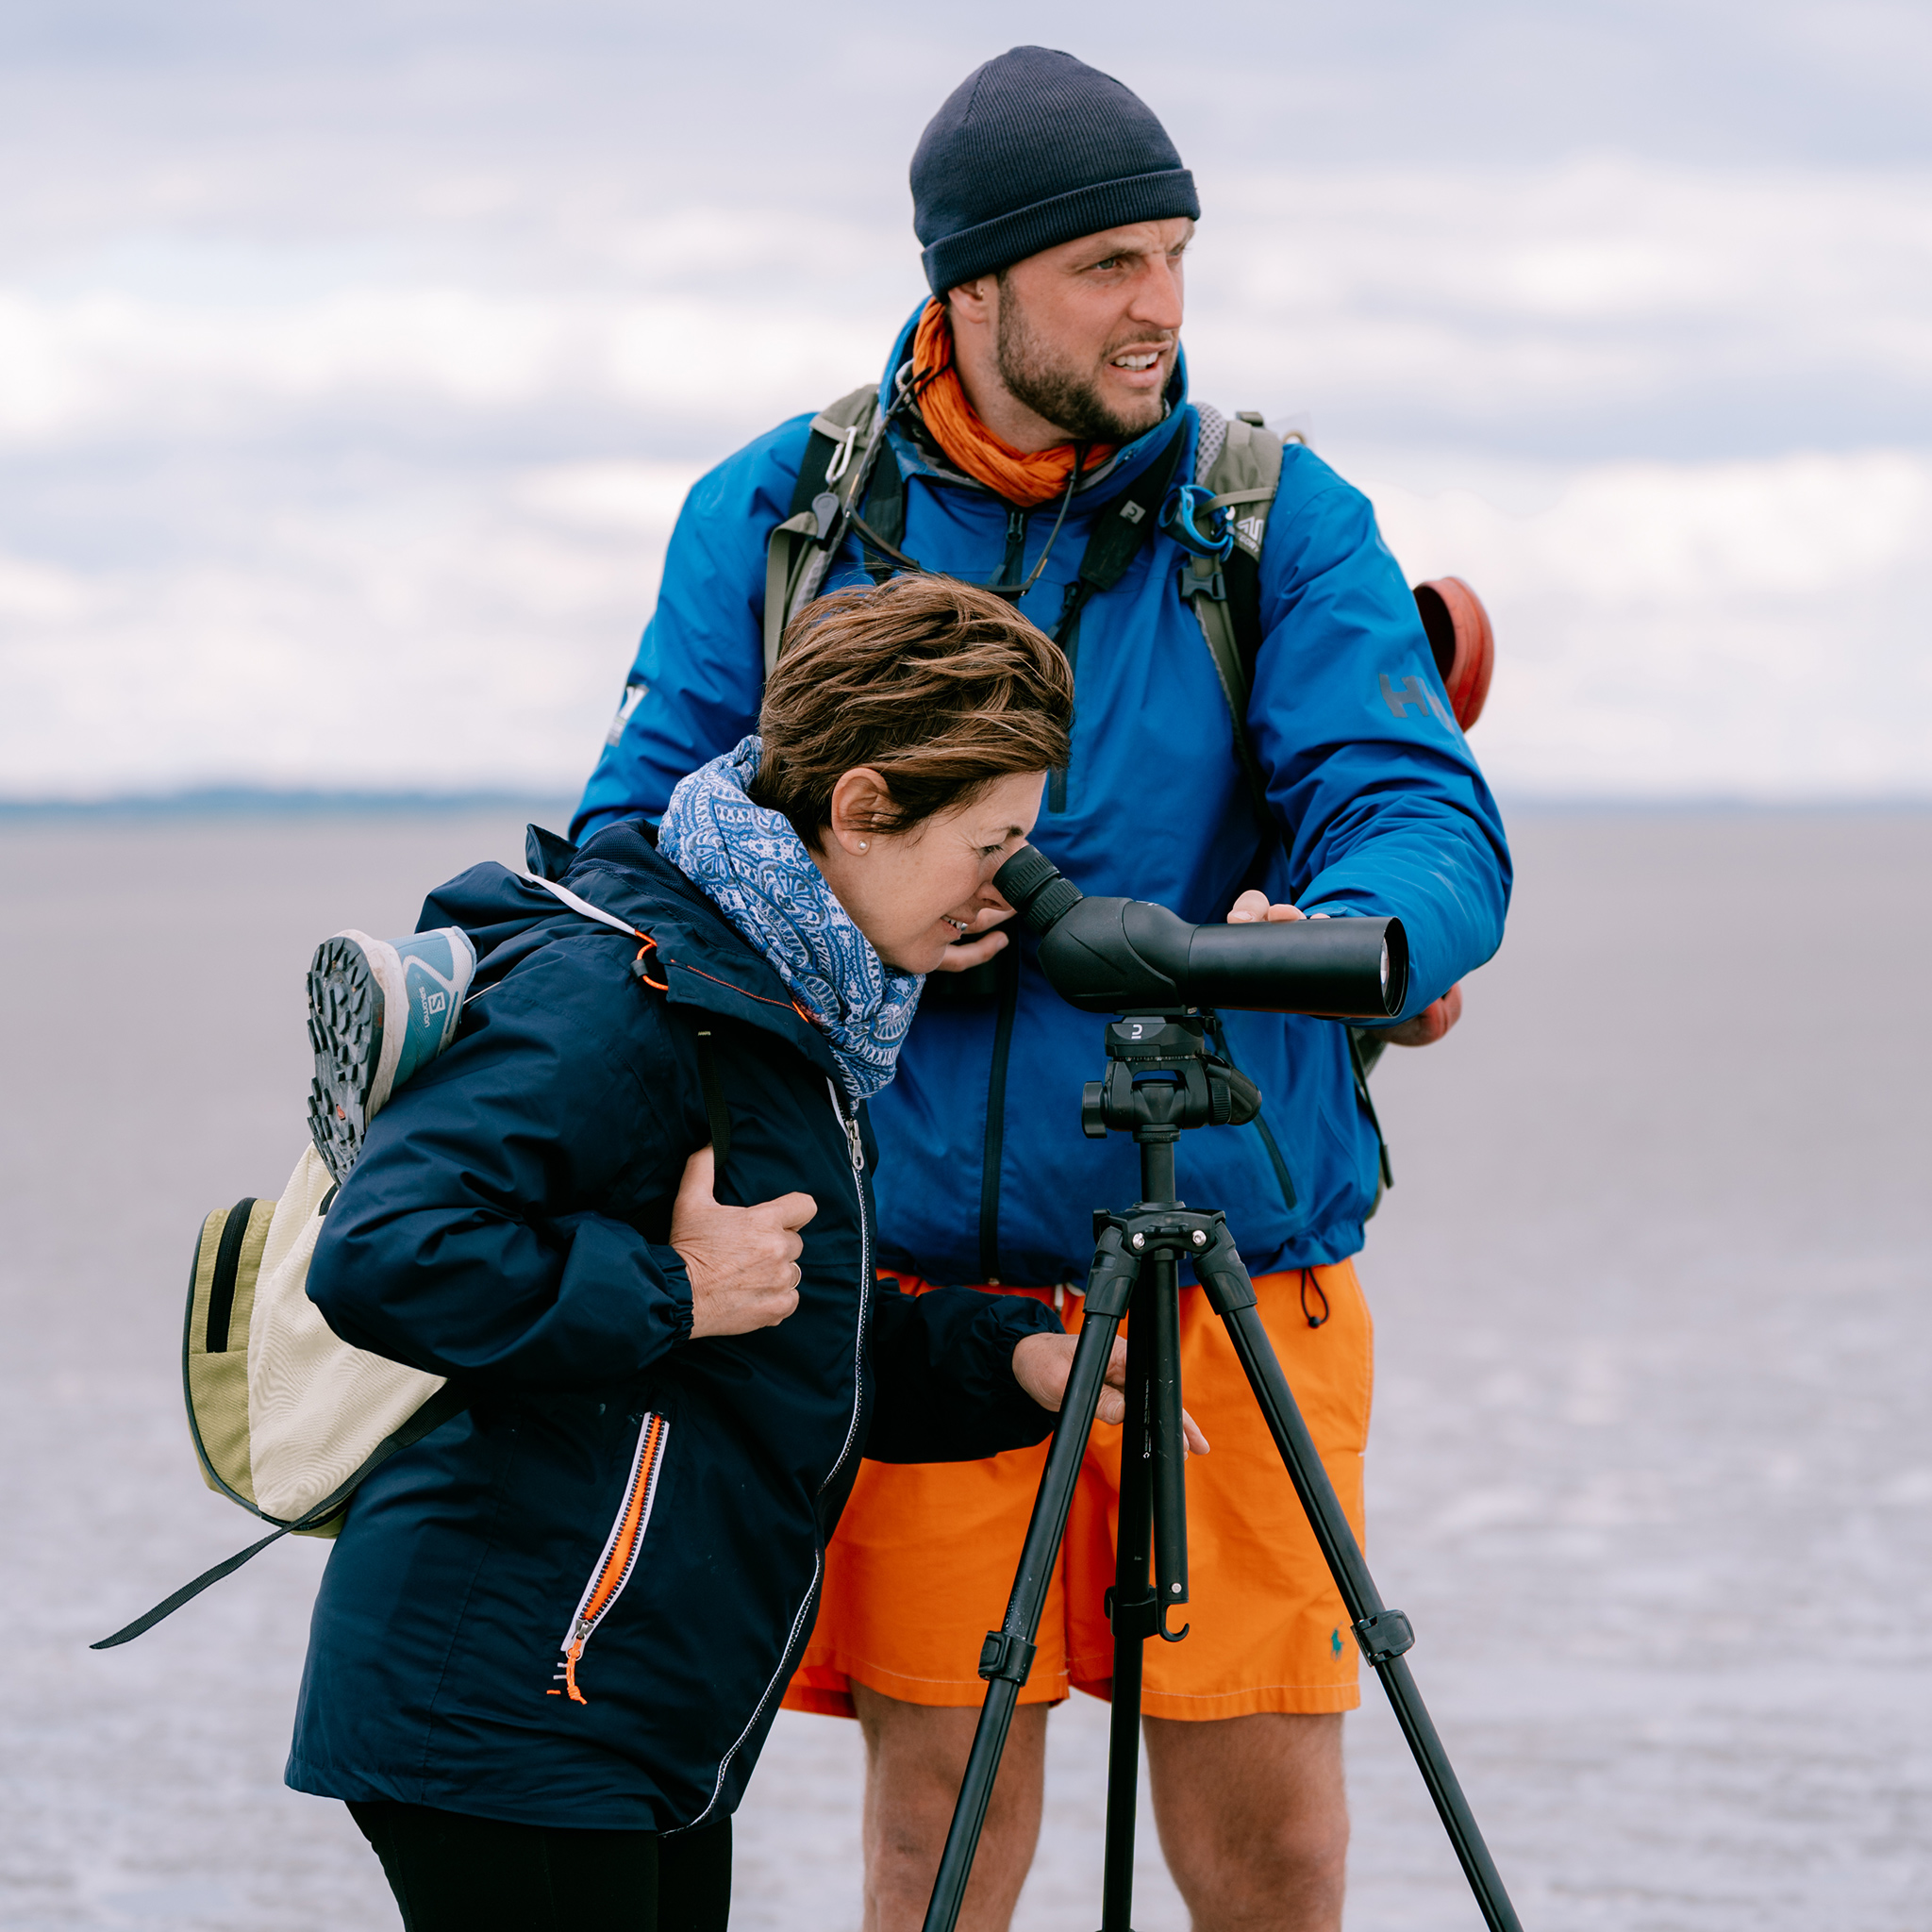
<point>860,800</point>
<point>971,303</point>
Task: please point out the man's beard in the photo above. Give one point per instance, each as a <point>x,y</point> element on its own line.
<point>1064,397</point>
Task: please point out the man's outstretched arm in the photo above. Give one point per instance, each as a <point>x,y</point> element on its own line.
<point>1383,808</point>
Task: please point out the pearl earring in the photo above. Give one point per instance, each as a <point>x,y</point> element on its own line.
<point>861,845</point>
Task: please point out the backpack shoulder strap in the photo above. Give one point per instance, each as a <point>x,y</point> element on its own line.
<point>840,455</point>
<point>1239,460</point>
<point>1120,527</point>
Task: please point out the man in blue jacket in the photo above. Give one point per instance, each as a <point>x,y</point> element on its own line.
<point>1035,426</point>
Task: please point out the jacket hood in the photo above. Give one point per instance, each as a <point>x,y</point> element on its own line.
<point>699,956</point>
<point>1119,471</point>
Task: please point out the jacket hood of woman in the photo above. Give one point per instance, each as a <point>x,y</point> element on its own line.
<point>578,1603</point>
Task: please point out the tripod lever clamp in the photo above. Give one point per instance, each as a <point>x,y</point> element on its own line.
<point>1383,1636</point>
<point>1110,1279</point>
<point>1221,1272</point>
<point>1005,1655</point>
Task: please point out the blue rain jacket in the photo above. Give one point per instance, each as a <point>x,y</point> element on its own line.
<point>1377,808</point>
<point>578,1603</point>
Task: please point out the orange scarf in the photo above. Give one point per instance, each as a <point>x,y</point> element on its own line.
<point>1022,477</point>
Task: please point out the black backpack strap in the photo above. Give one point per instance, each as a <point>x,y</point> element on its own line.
<point>716,1112</point>
<point>1120,529</point>
<point>881,525</point>
<point>1364,1049</point>
<point>447,1403</point>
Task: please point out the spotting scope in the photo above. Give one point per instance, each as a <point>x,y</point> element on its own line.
<point>1115,955</point>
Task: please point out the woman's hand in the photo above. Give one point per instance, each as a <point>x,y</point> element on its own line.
<point>1041,1364</point>
<point>979,942</point>
<point>743,1261</point>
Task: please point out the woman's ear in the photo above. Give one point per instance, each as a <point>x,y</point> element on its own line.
<point>861,801</point>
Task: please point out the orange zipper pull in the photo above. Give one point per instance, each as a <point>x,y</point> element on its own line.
<point>570,1671</point>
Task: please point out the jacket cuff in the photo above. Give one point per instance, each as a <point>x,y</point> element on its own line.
<point>677,1303</point>
<point>1019,1316</point>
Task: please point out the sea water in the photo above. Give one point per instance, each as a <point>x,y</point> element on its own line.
<point>1651,1467</point>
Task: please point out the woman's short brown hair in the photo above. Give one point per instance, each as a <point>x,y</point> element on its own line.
<point>939,686</point>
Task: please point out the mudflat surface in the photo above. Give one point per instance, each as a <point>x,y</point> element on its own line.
<point>1651,1470</point>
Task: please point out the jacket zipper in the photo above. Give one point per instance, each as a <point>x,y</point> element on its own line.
<point>856,1145</point>
<point>620,1555</point>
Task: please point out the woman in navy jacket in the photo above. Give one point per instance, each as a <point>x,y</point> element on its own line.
<point>629,1211</point>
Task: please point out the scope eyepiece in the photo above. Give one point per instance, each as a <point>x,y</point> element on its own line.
<point>1036,888</point>
<point>1106,955</point>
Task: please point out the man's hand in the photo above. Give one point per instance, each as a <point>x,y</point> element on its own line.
<point>967,952</point>
<point>743,1261</point>
<point>1041,1364</point>
<point>1424,1030</point>
<point>1253,907</point>
<point>1429,1024</point>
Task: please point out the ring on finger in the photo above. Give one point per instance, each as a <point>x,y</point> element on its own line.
<point>797,1276</point>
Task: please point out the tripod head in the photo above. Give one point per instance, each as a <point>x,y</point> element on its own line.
<point>1161,1077</point>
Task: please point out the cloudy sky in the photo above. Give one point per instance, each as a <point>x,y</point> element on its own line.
<point>353,360</point>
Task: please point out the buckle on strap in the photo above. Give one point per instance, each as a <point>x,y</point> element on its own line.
<point>1202,577</point>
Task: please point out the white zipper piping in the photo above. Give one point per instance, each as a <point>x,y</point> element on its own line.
<point>856,1146</point>
<point>646,1462</point>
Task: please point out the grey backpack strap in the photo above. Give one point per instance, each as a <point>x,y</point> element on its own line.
<point>1240,462</point>
<point>840,455</point>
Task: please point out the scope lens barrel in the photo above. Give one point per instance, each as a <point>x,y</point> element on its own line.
<point>1108,954</point>
<point>1338,969</point>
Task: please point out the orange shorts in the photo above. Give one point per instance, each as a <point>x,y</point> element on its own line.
<point>923,1562</point>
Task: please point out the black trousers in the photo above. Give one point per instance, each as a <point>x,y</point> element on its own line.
<point>452,1872</point>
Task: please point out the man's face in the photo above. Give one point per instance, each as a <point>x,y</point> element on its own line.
<point>1088,332</point>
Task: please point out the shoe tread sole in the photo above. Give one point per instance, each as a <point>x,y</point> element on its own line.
<point>345,1005</point>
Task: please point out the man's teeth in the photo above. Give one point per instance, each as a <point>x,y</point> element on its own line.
<point>958,925</point>
<point>1141,360</point>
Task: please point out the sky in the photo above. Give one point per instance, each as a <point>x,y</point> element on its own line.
<point>353,361</point>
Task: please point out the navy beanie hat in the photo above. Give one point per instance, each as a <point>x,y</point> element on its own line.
<point>1031,150</point>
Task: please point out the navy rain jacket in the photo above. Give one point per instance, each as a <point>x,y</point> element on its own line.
<point>1376,806</point>
<point>578,1603</point>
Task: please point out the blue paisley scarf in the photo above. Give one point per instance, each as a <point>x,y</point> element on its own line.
<point>755,868</point>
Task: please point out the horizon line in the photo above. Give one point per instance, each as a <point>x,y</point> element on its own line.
<point>237,799</point>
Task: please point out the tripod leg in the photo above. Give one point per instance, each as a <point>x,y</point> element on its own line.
<point>1008,1656</point>
<point>1131,1605</point>
<point>1383,1633</point>
<point>1170,1450</point>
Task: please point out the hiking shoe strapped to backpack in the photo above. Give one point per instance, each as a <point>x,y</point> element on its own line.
<point>379,1010</point>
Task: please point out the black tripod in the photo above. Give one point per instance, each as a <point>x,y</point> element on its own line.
<point>1161,1078</point>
